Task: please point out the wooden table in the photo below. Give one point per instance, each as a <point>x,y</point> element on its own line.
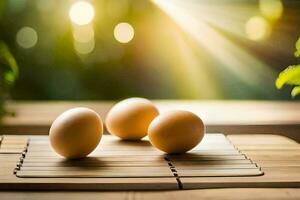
<point>228,117</point>
<point>276,155</point>
<point>272,152</point>
<point>209,194</point>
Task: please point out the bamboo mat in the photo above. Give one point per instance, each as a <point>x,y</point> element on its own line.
<point>120,161</point>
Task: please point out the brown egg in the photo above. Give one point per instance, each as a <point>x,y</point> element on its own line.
<point>130,118</point>
<point>76,132</point>
<point>176,131</point>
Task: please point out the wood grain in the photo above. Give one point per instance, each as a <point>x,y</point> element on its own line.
<point>209,194</point>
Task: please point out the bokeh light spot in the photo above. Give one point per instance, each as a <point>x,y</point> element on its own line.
<point>27,37</point>
<point>257,28</point>
<point>123,32</point>
<point>81,13</point>
<point>84,47</point>
<point>271,9</point>
<point>83,33</point>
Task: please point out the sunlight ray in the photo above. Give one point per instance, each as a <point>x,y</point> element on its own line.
<point>229,54</point>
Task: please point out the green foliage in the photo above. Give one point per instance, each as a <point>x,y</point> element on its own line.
<point>297,52</point>
<point>295,91</point>
<point>291,75</point>
<point>9,72</point>
<point>8,64</point>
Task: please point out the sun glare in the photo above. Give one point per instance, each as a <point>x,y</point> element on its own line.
<point>226,53</point>
<point>81,13</point>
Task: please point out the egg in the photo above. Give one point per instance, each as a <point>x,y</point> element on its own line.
<point>129,119</point>
<point>176,131</point>
<point>76,132</point>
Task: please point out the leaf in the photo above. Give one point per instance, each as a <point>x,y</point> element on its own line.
<point>7,59</point>
<point>9,77</point>
<point>297,53</point>
<point>290,76</point>
<point>295,91</point>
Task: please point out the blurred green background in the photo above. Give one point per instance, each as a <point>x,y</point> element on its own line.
<point>163,60</point>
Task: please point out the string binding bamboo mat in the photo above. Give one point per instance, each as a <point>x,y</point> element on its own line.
<point>121,162</point>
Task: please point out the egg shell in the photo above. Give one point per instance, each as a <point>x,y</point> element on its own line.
<point>76,132</point>
<point>129,119</point>
<point>176,131</point>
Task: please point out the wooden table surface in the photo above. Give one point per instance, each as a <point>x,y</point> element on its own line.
<point>278,157</point>
<point>229,117</point>
<point>208,194</point>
